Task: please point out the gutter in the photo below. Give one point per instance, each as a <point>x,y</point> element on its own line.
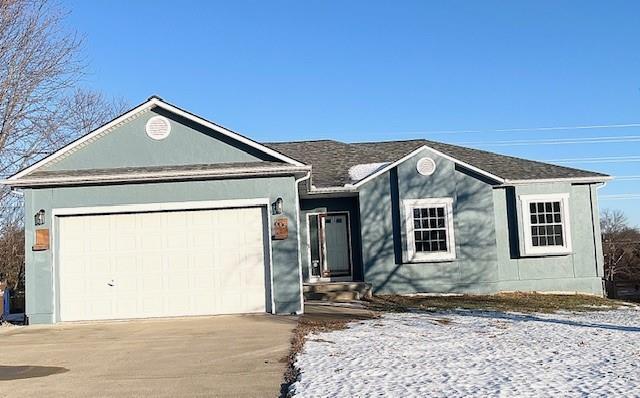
<point>353,188</point>
<point>160,176</point>
<point>330,192</point>
<point>594,179</point>
<point>346,188</point>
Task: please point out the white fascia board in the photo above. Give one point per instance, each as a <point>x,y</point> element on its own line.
<point>346,188</point>
<point>81,140</point>
<point>566,179</point>
<point>227,132</point>
<point>415,152</point>
<point>466,165</point>
<point>153,102</point>
<point>161,176</point>
<point>386,168</point>
<point>329,194</point>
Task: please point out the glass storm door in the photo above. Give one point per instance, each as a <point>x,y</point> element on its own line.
<point>335,244</point>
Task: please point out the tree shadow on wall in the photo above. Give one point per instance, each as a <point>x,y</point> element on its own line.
<point>476,251</point>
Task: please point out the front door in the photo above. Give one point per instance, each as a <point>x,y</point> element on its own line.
<point>330,246</point>
<point>337,256</point>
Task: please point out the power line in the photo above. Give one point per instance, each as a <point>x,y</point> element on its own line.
<point>627,178</point>
<point>524,129</point>
<point>604,159</point>
<point>559,141</point>
<point>623,196</point>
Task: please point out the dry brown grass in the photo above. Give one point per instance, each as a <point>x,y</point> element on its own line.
<point>514,302</point>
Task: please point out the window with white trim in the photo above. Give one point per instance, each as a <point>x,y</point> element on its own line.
<point>429,226</point>
<point>546,224</point>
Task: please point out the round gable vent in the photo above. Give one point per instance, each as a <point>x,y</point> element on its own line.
<point>426,166</point>
<point>158,128</point>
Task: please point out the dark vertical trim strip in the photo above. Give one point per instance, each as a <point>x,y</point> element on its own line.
<point>395,215</point>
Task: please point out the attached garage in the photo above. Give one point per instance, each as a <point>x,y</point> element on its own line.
<point>160,213</point>
<point>162,263</point>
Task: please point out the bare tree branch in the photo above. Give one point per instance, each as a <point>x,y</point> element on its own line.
<point>621,247</point>
<point>41,105</point>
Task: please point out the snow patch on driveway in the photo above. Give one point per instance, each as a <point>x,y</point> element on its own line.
<point>476,353</point>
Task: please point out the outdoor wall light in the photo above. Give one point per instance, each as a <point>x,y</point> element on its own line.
<point>39,217</point>
<point>277,206</point>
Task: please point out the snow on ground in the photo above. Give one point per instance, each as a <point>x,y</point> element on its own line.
<point>476,353</point>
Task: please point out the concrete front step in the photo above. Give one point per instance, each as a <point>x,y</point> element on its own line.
<point>337,291</point>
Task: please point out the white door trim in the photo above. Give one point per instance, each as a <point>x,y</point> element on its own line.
<point>153,207</point>
<point>313,279</point>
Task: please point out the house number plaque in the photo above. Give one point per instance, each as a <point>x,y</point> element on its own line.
<point>281,228</point>
<point>42,240</point>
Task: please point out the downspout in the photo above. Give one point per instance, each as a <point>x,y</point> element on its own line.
<point>596,237</point>
<point>300,277</point>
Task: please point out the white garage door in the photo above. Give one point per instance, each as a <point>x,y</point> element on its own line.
<point>160,264</point>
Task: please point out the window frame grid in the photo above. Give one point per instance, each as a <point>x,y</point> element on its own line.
<point>411,254</point>
<point>565,221</point>
<point>545,233</point>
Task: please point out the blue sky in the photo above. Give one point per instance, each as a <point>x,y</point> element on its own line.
<point>368,70</point>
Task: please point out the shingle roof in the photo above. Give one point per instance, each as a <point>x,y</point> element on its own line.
<point>331,160</point>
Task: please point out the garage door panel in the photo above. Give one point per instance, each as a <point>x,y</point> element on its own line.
<point>151,263</point>
<point>99,243</point>
<point>177,240</point>
<point>123,264</point>
<point>125,222</point>
<point>201,239</point>
<point>162,264</point>
<point>180,282</point>
<point>124,242</point>
<point>150,241</point>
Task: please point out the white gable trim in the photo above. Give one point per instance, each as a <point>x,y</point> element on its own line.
<point>415,152</point>
<point>153,102</point>
<point>140,108</point>
<point>227,132</point>
<point>561,179</point>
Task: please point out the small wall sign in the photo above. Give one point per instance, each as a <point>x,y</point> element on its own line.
<point>42,240</point>
<point>281,228</point>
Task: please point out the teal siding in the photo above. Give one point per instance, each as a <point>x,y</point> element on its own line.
<point>473,270</point>
<point>579,271</point>
<point>487,233</point>
<point>127,145</point>
<point>39,265</point>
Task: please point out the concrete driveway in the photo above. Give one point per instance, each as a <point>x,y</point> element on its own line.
<point>183,357</point>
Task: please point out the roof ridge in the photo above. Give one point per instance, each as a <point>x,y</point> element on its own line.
<point>302,141</point>
<point>388,141</point>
